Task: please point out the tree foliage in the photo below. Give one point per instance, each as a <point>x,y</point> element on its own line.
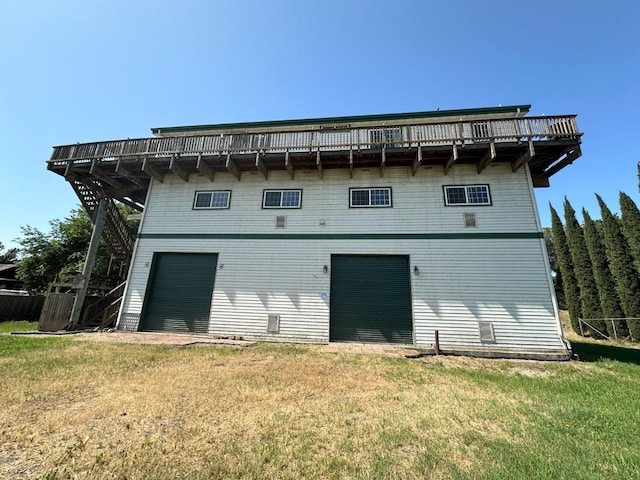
<point>631,226</point>
<point>622,268</point>
<point>605,283</point>
<point>8,256</point>
<point>569,283</point>
<point>582,269</point>
<point>45,256</point>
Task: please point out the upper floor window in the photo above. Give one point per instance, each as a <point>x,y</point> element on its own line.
<point>282,199</point>
<point>212,199</point>
<point>467,195</point>
<point>370,197</point>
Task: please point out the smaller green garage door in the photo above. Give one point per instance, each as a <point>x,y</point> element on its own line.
<point>178,297</point>
<point>370,299</point>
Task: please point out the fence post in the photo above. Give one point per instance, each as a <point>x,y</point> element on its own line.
<point>613,325</point>
<point>581,330</point>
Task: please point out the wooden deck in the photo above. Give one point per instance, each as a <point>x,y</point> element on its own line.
<point>122,169</point>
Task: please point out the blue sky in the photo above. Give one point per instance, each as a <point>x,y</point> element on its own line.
<point>81,71</point>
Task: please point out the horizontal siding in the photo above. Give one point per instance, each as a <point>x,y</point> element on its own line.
<point>460,282</point>
<point>418,203</point>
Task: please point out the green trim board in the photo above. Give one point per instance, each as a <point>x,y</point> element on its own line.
<point>346,236</point>
<point>347,119</point>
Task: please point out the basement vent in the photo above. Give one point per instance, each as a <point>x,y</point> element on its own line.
<point>273,323</point>
<point>486,332</point>
<point>470,220</point>
<point>281,221</point>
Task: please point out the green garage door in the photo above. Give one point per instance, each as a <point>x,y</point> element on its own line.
<point>370,299</point>
<point>178,297</point>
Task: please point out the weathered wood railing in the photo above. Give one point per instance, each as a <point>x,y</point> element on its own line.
<point>339,138</point>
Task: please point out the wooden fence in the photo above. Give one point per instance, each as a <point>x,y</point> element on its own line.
<point>14,307</point>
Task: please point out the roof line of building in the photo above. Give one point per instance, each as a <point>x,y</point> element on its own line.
<point>522,109</point>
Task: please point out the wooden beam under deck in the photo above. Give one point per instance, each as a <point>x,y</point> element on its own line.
<point>98,172</point>
<point>261,166</point>
<point>232,167</point>
<point>288,164</point>
<point>319,163</point>
<point>452,160</point>
<point>127,174</point>
<point>524,158</point>
<point>175,167</point>
<point>416,161</point>
<point>489,157</point>
<point>204,168</point>
<point>149,169</point>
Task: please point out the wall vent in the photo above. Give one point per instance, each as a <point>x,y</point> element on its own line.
<point>273,323</point>
<point>281,221</point>
<point>470,220</point>
<point>486,332</point>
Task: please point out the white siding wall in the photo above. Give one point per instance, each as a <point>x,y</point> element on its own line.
<point>460,282</point>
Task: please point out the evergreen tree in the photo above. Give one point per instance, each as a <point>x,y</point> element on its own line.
<point>605,283</point>
<point>622,268</point>
<point>569,283</point>
<point>631,226</point>
<point>582,269</point>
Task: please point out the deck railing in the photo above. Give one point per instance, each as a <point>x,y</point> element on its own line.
<point>339,138</point>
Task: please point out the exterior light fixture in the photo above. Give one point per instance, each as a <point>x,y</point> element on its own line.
<point>325,269</point>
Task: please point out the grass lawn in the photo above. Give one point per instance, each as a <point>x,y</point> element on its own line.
<point>75,408</point>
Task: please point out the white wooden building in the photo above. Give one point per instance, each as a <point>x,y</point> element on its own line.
<point>384,228</point>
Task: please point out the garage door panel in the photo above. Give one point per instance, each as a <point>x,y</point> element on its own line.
<point>371,299</point>
<point>178,298</point>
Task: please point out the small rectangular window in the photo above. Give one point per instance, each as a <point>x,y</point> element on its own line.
<point>467,195</point>
<point>281,199</point>
<point>370,197</point>
<point>212,200</point>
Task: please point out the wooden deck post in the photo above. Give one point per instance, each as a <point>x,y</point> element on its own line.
<point>85,277</point>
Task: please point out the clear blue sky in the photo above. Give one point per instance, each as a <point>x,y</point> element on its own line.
<point>80,71</point>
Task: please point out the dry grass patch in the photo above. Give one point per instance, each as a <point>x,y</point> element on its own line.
<point>123,411</point>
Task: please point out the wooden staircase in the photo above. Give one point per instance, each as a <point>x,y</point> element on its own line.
<point>103,312</point>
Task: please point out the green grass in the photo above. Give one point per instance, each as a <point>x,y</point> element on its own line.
<point>8,327</point>
<point>79,408</point>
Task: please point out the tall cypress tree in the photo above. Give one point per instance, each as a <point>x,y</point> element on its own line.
<point>582,269</point>
<point>631,226</point>
<point>605,283</point>
<point>569,283</point>
<point>622,268</point>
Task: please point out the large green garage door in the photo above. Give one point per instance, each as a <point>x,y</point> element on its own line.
<point>178,297</point>
<point>370,299</point>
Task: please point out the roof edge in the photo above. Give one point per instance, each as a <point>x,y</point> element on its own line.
<point>515,109</point>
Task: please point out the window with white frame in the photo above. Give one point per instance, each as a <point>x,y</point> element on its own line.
<point>212,199</point>
<point>370,197</point>
<point>281,198</point>
<point>467,195</point>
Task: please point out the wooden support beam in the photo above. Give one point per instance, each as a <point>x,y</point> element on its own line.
<point>204,168</point>
<point>524,158</point>
<point>453,159</point>
<point>232,167</point>
<point>261,166</point>
<point>383,161</point>
<point>351,163</point>
<point>567,160</point>
<point>416,161</point>
<point>489,157</point>
<point>319,163</point>
<point>175,167</point>
<point>131,203</point>
<point>69,174</point>
<point>288,164</point>
<point>99,173</point>
<point>120,170</point>
<point>149,169</point>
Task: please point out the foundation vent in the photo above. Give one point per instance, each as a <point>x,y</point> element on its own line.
<point>470,220</point>
<point>273,323</point>
<point>486,332</point>
<point>281,221</point>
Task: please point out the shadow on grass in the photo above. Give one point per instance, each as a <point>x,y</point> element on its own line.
<point>592,352</point>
